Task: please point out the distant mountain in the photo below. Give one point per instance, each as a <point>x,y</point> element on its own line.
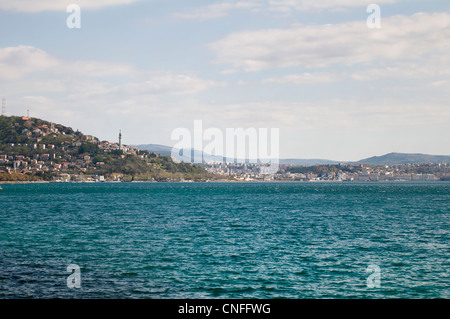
<point>156,148</point>
<point>388,159</point>
<point>182,156</point>
<point>404,158</point>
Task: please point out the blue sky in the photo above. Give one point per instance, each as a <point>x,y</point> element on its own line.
<point>335,88</point>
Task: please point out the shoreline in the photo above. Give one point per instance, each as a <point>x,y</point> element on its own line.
<point>213,181</point>
<point>25,182</point>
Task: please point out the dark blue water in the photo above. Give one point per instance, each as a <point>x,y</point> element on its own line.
<point>225,240</point>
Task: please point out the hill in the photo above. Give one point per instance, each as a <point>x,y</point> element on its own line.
<point>34,149</point>
<point>404,158</point>
<point>308,162</point>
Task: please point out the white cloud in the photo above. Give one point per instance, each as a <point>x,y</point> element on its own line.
<point>357,115</point>
<point>350,43</point>
<point>315,5</point>
<point>304,78</point>
<point>216,10</point>
<point>441,83</point>
<point>26,64</point>
<point>92,93</point>
<point>58,5</point>
<point>225,8</point>
<point>427,68</point>
<point>16,62</point>
<point>169,83</point>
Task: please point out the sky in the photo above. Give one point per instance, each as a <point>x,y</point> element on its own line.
<point>335,88</point>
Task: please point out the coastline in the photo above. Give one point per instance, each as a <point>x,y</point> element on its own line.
<point>24,182</point>
<point>218,181</point>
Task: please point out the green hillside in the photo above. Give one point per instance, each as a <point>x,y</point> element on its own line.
<point>34,149</point>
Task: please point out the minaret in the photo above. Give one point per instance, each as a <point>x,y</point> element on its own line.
<point>120,140</point>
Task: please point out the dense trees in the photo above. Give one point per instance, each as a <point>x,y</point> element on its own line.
<point>153,168</point>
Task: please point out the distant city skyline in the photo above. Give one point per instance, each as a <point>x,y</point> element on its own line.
<point>335,88</point>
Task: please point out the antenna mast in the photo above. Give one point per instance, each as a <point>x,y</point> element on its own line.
<point>3,107</point>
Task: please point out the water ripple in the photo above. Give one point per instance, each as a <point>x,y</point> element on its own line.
<point>225,240</point>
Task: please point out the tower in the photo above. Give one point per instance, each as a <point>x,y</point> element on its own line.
<point>120,140</point>
<point>3,107</point>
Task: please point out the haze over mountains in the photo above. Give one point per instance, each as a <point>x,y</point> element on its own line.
<point>387,159</point>
<point>403,158</point>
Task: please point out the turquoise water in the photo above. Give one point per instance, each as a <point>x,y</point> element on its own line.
<point>225,240</point>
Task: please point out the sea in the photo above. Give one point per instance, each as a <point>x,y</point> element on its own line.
<point>263,240</point>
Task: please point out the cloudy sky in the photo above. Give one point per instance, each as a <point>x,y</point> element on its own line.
<point>335,88</point>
